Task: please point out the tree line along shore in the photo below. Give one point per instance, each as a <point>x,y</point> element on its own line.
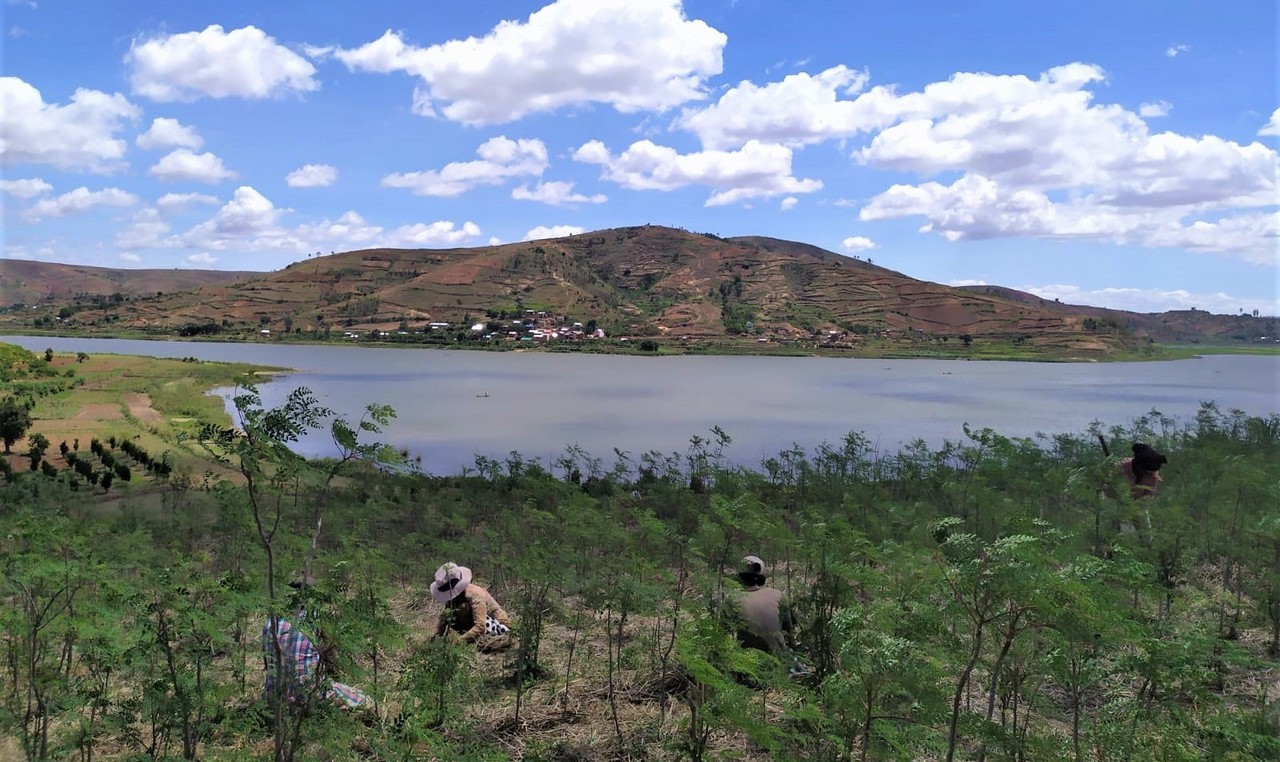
<point>992,598</point>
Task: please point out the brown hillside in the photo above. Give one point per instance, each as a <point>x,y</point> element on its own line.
<point>1174,326</point>
<point>646,280</point>
<point>25,282</point>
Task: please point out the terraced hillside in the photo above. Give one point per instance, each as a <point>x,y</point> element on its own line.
<point>646,280</point>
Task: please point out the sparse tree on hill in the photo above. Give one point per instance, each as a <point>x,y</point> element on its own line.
<point>15,419</point>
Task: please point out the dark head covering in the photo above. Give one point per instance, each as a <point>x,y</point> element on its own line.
<point>1146,458</point>
<point>751,572</point>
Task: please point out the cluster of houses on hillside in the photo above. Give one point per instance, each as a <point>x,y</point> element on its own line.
<point>535,326</point>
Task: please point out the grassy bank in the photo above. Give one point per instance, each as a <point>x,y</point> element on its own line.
<point>156,403</point>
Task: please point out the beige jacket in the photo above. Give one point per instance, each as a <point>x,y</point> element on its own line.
<point>466,614</point>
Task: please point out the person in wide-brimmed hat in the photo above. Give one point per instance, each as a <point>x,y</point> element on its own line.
<point>470,613</point>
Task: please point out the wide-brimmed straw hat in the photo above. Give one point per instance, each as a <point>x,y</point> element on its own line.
<point>450,581</point>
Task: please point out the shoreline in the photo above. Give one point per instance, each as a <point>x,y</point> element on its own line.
<point>996,352</point>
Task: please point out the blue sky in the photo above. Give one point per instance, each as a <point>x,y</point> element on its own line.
<point>1116,154</point>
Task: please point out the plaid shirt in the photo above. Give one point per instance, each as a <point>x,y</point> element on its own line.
<point>300,661</point>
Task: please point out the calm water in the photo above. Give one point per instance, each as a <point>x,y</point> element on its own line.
<point>540,403</point>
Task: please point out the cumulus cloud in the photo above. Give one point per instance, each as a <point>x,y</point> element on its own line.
<point>147,230</point>
<point>757,170</point>
<point>350,230</point>
<point>1173,51</point>
<point>203,260</point>
<point>858,243</point>
<point>1038,158</point>
<point>1155,109</point>
<point>1272,127</point>
<point>182,164</point>
<point>800,109</point>
<point>251,224</point>
<point>975,207</point>
<point>27,187</point>
<point>312,176</point>
<point>176,202</point>
<point>555,231</point>
<point>78,135</point>
<point>634,55</point>
<point>248,221</point>
<point>433,234</point>
<point>556,193</point>
<point>500,160</point>
<point>130,257</point>
<point>80,200</point>
<point>1152,300</point>
<point>788,203</point>
<point>804,108</point>
<point>169,133</point>
<point>243,63</point>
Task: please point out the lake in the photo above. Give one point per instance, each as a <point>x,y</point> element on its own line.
<point>540,403</point>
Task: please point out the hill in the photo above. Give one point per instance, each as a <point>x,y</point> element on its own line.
<point>25,283</point>
<point>640,281</point>
<point>1173,326</point>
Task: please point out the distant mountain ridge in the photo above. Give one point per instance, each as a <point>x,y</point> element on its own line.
<point>29,282</point>
<point>645,281</point>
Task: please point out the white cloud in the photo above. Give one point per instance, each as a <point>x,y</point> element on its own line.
<point>78,135</point>
<point>800,109</point>
<point>1272,127</point>
<point>1152,300</point>
<point>494,240</point>
<point>80,200</point>
<point>244,63</point>
<point>147,230</point>
<point>248,221</point>
<point>555,231</point>
<point>27,187</point>
<point>788,203</point>
<point>757,170</point>
<point>182,164</point>
<point>803,108</point>
<point>1173,51</point>
<point>203,260</point>
<point>634,55</point>
<point>131,258</point>
<point>975,207</point>
<point>500,160</point>
<point>350,230</point>
<point>556,193</point>
<point>434,234</point>
<point>169,133</point>
<point>312,176</point>
<point>1040,159</point>
<point>858,243</point>
<point>1155,109</point>
<point>176,202</point>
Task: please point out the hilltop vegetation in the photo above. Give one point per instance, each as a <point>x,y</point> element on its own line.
<point>984,600</point>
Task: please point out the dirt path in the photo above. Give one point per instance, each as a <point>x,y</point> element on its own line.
<point>140,408</point>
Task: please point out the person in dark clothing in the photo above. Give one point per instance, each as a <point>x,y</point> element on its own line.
<point>1142,471</point>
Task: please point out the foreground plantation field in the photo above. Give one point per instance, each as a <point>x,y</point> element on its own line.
<point>986,600</point>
